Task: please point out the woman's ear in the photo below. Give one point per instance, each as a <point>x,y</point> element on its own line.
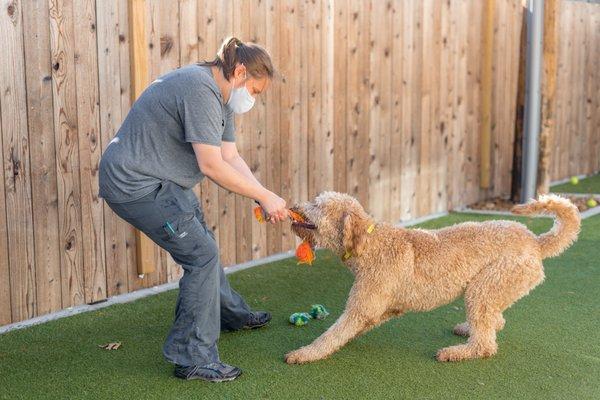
<point>354,232</point>
<point>240,73</point>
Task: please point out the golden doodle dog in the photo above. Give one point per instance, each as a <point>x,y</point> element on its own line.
<point>492,264</point>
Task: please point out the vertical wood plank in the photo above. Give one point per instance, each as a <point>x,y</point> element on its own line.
<point>397,38</point>
<point>86,75</point>
<point>595,56</point>
<point>340,50</point>
<point>126,231</point>
<point>424,131</point>
<point>379,109</point>
<point>588,94</point>
<point>258,146</point>
<point>208,45</point>
<point>189,36</point>
<point>416,134</point>
<point>470,99</point>
<point>110,74</point>
<point>314,105</point>
<point>188,31</point>
<point>274,134</point>
<point>17,173</point>
<point>226,199</point>
<point>146,251</point>
<point>43,164</point>
<point>433,56</point>
<point>5,292</point>
<point>409,157</point>
<point>357,106</point>
<point>445,106</point>
<point>245,125</point>
<point>289,112</point>
<point>502,187</point>
<point>457,151</point>
<point>170,32</point>
<point>326,161</point>
<point>66,142</point>
<point>579,137</point>
<point>299,77</point>
<point>487,38</point>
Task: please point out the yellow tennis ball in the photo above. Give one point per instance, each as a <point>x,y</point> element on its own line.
<point>591,203</point>
<point>574,180</point>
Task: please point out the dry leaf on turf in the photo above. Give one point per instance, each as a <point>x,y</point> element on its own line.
<point>110,346</point>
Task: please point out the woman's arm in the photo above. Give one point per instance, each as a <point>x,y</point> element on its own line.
<point>231,155</point>
<point>211,163</point>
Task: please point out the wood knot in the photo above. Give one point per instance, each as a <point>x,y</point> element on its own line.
<point>166,44</point>
<point>11,9</point>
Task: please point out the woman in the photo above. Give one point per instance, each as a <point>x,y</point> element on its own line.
<point>179,130</point>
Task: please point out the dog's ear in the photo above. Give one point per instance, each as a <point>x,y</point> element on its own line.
<point>354,232</point>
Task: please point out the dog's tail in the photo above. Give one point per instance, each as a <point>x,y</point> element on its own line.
<point>566,223</point>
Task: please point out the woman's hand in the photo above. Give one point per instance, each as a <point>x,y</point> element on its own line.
<point>274,206</point>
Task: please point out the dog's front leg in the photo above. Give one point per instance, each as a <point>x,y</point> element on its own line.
<point>341,332</point>
<point>364,310</point>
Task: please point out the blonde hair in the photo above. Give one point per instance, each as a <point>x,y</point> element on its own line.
<point>254,57</point>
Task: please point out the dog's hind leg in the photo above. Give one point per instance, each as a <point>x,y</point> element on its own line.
<point>492,291</point>
<point>462,329</point>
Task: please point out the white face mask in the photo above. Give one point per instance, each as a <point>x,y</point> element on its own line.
<point>240,99</point>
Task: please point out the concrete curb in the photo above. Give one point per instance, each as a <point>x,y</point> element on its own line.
<point>465,210</point>
<point>576,194</point>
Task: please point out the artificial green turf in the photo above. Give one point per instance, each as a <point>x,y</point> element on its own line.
<point>550,348</point>
<point>586,185</point>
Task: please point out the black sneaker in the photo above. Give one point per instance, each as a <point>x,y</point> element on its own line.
<point>213,372</point>
<point>257,319</point>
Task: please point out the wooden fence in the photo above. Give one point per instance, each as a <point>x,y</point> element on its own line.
<point>576,146</point>
<point>380,99</point>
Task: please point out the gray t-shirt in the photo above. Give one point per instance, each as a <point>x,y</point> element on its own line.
<point>154,143</point>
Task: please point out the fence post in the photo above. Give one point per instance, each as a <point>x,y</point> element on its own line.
<point>489,7</point>
<point>138,54</point>
<point>548,95</point>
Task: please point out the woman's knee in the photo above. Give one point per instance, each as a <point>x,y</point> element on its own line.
<point>199,252</point>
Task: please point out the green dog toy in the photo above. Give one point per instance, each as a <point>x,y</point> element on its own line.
<point>318,311</point>
<point>299,318</point>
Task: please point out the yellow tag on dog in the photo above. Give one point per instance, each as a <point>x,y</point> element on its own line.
<point>371,228</point>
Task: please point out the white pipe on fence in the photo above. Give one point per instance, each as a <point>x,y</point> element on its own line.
<point>531,132</point>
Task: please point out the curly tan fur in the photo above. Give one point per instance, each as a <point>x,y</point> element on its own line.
<point>492,264</point>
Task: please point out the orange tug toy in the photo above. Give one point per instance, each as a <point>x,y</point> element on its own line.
<point>304,251</point>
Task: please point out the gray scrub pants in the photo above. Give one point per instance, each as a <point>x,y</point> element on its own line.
<point>172,217</point>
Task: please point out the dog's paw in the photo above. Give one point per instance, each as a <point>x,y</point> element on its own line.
<point>452,353</point>
<point>300,356</point>
<point>461,329</point>
<point>464,352</point>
